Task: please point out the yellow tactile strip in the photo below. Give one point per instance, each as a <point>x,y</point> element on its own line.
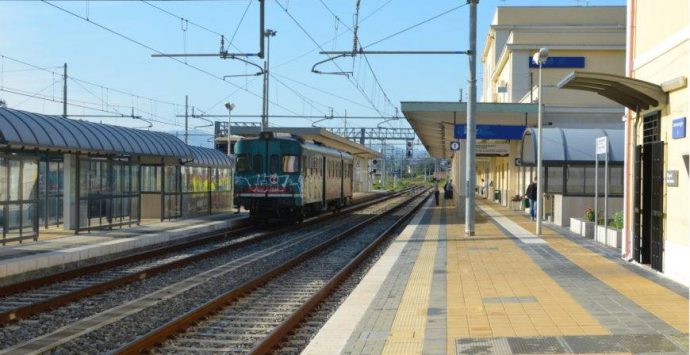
<point>408,329</point>
<point>663,303</point>
<point>489,265</point>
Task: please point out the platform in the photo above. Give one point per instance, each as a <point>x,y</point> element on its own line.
<point>504,291</point>
<point>59,250</point>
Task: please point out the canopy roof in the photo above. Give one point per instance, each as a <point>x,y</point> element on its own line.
<point>632,93</point>
<point>26,130</point>
<point>210,157</point>
<point>434,121</point>
<point>316,134</point>
<point>563,146</point>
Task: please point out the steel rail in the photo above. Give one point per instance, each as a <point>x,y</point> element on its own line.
<point>61,300</point>
<point>277,335</point>
<point>179,324</point>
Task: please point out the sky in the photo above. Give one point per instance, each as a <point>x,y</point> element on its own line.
<point>115,76</point>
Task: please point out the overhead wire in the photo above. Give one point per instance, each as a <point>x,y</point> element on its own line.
<point>205,72</point>
<point>361,91</point>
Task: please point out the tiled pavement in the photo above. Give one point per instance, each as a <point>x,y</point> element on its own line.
<point>505,291</point>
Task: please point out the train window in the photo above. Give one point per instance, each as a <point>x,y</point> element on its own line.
<point>290,163</point>
<point>243,165</point>
<point>258,164</point>
<point>275,164</point>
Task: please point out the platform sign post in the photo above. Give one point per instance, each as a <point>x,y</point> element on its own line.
<point>602,148</point>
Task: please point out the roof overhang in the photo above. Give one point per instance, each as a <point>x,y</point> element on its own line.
<point>634,94</point>
<point>434,121</point>
<point>316,134</point>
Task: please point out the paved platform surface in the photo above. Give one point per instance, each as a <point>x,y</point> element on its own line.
<point>20,261</point>
<point>504,291</point>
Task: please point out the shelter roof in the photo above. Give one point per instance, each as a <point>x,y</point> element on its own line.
<point>632,93</point>
<point>434,121</point>
<point>26,130</point>
<point>210,157</point>
<point>316,134</point>
<point>563,146</point>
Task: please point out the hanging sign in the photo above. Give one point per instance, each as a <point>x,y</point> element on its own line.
<point>602,145</point>
<point>454,146</point>
<point>492,149</point>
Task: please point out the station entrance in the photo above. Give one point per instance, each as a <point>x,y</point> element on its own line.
<point>648,242</point>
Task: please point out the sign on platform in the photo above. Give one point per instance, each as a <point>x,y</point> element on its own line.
<point>672,178</point>
<point>678,128</point>
<point>602,145</point>
<point>492,149</point>
<point>454,146</point>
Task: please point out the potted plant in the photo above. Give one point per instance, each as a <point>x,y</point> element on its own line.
<point>614,233</point>
<point>587,224</point>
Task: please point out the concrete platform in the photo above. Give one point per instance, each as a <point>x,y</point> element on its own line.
<point>60,250</point>
<point>504,291</point>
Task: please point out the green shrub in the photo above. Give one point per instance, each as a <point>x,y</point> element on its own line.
<point>589,215</point>
<point>618,220</point>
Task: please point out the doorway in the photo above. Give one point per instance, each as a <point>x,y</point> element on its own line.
<point>648,198</point>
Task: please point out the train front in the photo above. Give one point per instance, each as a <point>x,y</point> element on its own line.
<point>268,181</point>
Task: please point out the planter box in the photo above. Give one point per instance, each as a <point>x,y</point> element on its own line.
<point>610,236</point>
<point>515,205</point>
<point>582,227</point>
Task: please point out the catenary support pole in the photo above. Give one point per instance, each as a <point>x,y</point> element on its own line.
<point>186,119</point>
<point>471,123</point>
<point>64,92</point>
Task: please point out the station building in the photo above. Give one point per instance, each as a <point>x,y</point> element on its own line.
<point>363,156</point>
<point>591,38</point>
<point>654,91</point>
<point>59,174</point>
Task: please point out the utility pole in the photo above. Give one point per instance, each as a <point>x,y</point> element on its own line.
<point>471,123</point>
<point>186,119</point>
<point>64,92</point>
<point>264,119</point>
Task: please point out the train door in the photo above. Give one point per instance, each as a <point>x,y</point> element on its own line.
<point>341,166</point>
<point>324,172</point>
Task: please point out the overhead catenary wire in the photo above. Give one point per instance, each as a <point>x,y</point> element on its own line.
<point>361,91</point>
<point>201,70</point>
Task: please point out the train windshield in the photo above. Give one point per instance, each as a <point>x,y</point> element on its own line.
<point>290,164</point>
<point>243,165</point>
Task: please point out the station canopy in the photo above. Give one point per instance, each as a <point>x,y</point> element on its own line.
<point>571,146</point>
<point>33,131</point>
<point>316,134</point>
<point>434,122</point>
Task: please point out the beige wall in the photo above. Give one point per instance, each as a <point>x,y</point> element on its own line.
<point>566,15</point>
<point>661,52</point>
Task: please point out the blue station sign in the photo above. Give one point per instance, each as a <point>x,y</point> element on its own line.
<point>560,62</point>
<point>487,131</point>
<point>678,128</point>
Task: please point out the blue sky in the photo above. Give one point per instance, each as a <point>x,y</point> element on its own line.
<point>43,35</point>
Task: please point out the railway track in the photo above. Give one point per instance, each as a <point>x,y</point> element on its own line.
<point>78,288</point>
<point>256,316</point>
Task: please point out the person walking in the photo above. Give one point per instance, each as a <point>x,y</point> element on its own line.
<point>531,194</point>
<point>436,192</point>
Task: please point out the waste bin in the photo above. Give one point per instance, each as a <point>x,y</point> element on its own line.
<point>497,195</point>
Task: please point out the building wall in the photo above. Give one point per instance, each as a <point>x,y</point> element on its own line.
<point>661,52</point>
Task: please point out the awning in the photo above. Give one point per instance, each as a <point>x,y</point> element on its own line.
<point>434,121</point>
<point>26,130</point>
<point>210,157</point>
<point>564,146</point>
<point>632,93</point>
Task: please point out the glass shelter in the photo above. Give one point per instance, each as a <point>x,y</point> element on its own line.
<point>78,175</point>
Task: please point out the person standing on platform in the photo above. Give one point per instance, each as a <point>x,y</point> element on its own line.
<point>436,192</point>
<point>531,194</point>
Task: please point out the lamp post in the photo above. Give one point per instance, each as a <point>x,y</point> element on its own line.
<point>230,107</point>
<point>540,58</point>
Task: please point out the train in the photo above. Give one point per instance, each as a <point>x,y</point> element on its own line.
<point>280,175</point>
